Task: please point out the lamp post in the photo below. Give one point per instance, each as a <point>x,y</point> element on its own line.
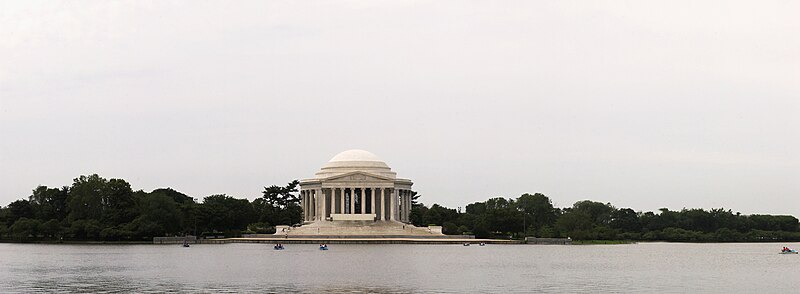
<point>524,224</point>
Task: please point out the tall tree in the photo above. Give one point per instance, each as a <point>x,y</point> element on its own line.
<point>280,205</point>
<point>537,209</point>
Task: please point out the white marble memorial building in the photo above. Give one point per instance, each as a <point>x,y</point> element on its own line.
<point>356,185</point>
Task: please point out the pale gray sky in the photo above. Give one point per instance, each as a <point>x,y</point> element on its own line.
<point>644,104</point>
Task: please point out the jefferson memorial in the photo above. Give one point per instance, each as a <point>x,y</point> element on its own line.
<point>356,185</point>
<point>356,193</point>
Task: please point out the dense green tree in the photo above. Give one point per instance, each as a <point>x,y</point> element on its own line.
<point>50,228</point>
<point>85,229</point>
<point>17,210</point>
<point>417,214</point>
<point>438,215</point>
<point>599,212</point>
<point>282,197</point>
<point>162,211</point>
<point>537,209</point>
<point>575,224</point>
<point>774,222</point>
<point>86,198</point>
<point>49,203</point>
<point>25,228</point>
<point>626,220</point>
<point>176,196</point>
<point>222,213</point>
<point>279,205</point>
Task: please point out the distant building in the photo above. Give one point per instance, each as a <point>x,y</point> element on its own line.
<point>356,185</point>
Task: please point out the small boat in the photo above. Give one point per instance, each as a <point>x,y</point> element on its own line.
<point>323,247</point>
<point>185,244</point>
<point>278,247</point>
<point>466,244</point>
<point>482,244</point>
<point>790,251</point>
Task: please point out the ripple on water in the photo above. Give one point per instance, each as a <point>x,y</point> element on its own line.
<point>237,268</point>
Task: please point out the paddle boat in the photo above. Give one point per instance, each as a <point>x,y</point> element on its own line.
<point>323,246</point>
<point>786,250</point>
<point>278,247</point>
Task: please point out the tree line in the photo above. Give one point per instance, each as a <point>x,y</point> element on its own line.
<point>535,215</point>
<point>95,208</point>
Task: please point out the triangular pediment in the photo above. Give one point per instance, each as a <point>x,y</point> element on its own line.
<point>357,176</point>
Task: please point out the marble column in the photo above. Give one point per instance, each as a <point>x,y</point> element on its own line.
<point>341,205</point>
<point>363,198</point>
<point>322,204</point>
<point>333,200</point>
<point>310,205</point>
<point>393,205</point>
<point>317,204</point>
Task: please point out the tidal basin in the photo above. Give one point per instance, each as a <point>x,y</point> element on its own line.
<point>369,268</point>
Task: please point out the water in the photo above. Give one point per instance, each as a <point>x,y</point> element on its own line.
<point>302,268</point>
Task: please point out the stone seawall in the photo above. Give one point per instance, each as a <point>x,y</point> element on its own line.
<point>175,240</point>
<point>356,241</point>
<point>548,241</point>
<point>359,236</point>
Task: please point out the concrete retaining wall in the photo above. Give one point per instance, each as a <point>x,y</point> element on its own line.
<point>548,241</point>
<point>174,240</point>
<point>359,236</point>
<point>355,241</point>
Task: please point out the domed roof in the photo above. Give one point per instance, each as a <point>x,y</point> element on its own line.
<point>355,160</point>
<point>355,155</point>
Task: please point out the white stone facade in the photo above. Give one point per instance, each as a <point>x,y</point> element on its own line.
<point>356,185</point>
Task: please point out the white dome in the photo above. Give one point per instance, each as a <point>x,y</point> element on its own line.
<point>355,155</point>
<point>355,160</point>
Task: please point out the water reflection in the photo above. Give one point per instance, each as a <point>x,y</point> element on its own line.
<point>236,268</point>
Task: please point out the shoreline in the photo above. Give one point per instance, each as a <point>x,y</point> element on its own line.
<point>367,241</point>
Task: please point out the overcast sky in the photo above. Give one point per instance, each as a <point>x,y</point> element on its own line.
<point>644,104</point>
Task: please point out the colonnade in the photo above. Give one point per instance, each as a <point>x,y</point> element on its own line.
<point>386,203</point>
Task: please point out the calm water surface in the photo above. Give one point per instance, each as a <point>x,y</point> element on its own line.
<point>646,267</point>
